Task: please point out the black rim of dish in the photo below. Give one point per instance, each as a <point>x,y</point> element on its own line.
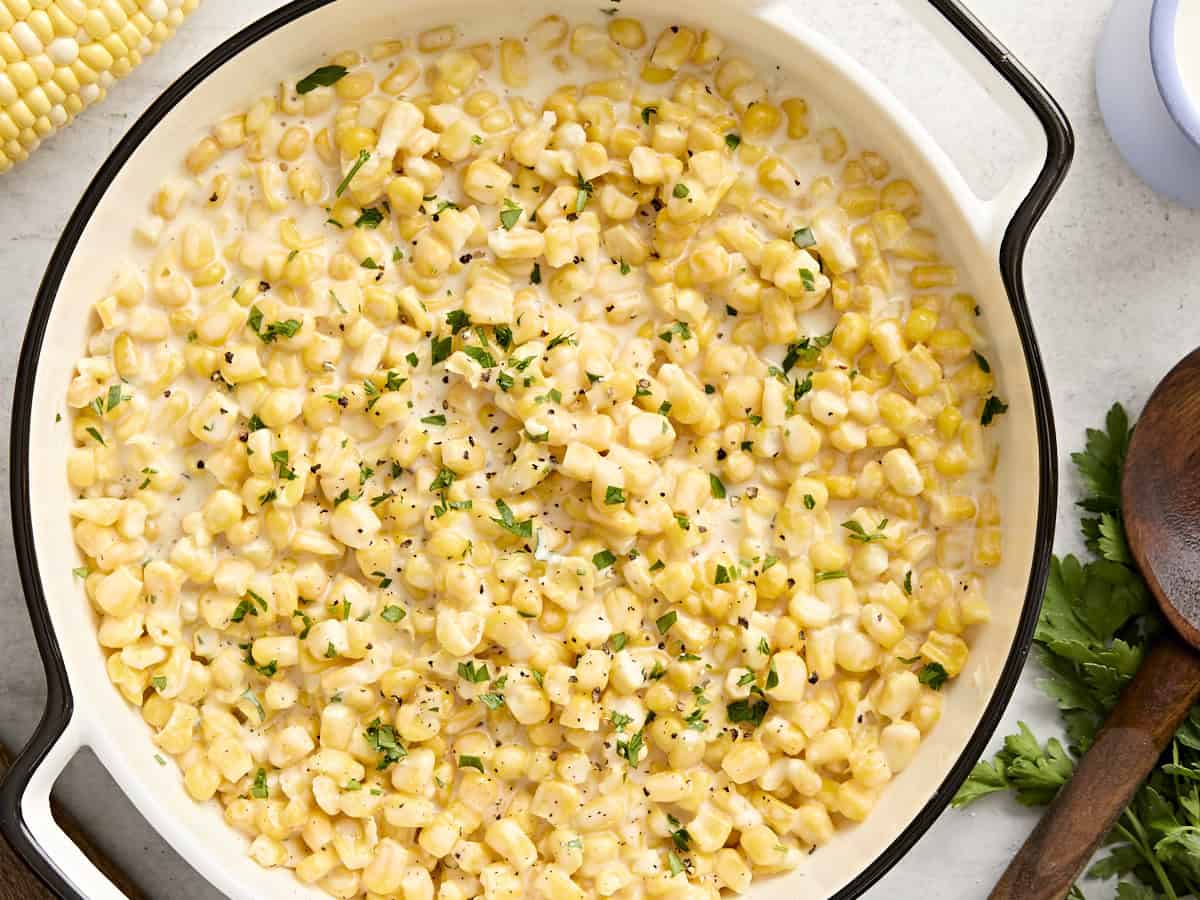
<point>59,702</point>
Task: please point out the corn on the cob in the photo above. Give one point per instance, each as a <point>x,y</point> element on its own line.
<point>59,56</point>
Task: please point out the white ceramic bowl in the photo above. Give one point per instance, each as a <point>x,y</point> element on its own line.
<point>1141,87</point>
<point>986,238</point>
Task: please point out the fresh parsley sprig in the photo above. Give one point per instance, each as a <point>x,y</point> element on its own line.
<point>1096,624</point>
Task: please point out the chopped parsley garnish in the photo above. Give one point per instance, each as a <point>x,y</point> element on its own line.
<point>468,671</point>
<point>908,582</point>
<point>325,76</point>
<point>808,279</point>
<point>492,700</point>
<point>280,459</point>
<point>810,502</point>
<point>440,349</point>
<point>933,674</point>
<point>631,749</point>
<point>363,156</point>
<point>725,574</point>
<point>665,621</point>
<point>744,711</point>
<point>604,559</point>
<point>458,320</point>
<point>683,521</point>
<point>434,420</point>
<point>647,112</point>
<point>716,486</point>
<point>679,328</point>
<point>565,338</point>
<point>392,613</point>
<point>510,214</point>
<point>830,576</point>
<point>382,739</point>
<point>992,408</point>
<point>584,191</point>
<point>508,522</point>
<point>806,351</point>
<point>618,641</point>
<point>96,436</point>
<point>471,762</point>
<point>307,620</point>
<point>259,789</point>
<point>733,141</point>
<point>803,238</point>
<point>481,356</point>
<point>244,608</point>
<point>860,534</point>
<point>369,218</point>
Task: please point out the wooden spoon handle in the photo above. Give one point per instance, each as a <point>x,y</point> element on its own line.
<point>1150,710</point>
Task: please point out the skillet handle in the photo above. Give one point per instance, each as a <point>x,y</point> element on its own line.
<point>1008,218</point>
<point>29,824</point>
<point>1011,214</point>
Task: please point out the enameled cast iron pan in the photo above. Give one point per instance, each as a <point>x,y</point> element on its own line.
<point>987,239</point>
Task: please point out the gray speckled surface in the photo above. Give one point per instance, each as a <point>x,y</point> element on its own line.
<point>1112,274</point>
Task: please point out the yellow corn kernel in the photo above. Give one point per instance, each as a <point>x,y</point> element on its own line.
<point>627,33</point>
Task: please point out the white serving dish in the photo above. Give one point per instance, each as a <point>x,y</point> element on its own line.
<point>987,239</point>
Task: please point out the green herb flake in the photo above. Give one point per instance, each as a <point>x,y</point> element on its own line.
<point>665,621</point>
<point>440,349</point>
<point>392,613</point>
<point>934,675</point>
<point>510,215</point>
<point>470,762</point>
<point>674,864</point>
<point>804,238</point>
<point>733,141</point>
<point>510,524</point>
<point>475,674</point>
<point>716,487</point>
<point>382,739</point>
<point>860,534</point>
<point>363,156</point>
<point>259,790</point>
<point>369,218</point>
<point>747,712</point>
<point>992,408</point>
<point>604,559</point>
<point>831,575</point>
<point>325,76</point>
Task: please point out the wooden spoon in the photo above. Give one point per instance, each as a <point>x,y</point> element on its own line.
<point>1160,495</point>
<point>18,881</point>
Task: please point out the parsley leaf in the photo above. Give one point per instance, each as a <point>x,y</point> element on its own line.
<point>325,76</point>
<point>510,524</point>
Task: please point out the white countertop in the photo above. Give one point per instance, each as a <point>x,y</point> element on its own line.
<point>1113,279</point>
